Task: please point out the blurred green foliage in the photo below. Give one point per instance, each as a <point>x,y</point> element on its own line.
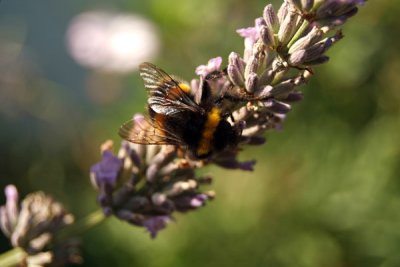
<point>326,189</point>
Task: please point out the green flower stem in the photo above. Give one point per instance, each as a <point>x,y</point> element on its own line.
<point>12,257</point>
<point>16,255</point>
<point>81,226</point>
<point>299,32</point>
<point>317,4</point>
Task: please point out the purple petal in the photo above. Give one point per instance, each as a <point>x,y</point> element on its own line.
<point>190,201</point>
<point>199,200</point>
<point>156,223</point>
<point>234,164</point>
<point>213,64</point>
<point>107,170</point>
<point>250,32</point>
<point>351,2</point>
<point>107,211</point>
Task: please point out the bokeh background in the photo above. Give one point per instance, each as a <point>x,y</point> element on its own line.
<point>325,191</point>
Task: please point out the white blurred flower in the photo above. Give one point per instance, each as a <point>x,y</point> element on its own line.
<point>111,41</point>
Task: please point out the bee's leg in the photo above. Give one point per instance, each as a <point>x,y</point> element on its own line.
<point>240,127</point>
<point>219,100</point>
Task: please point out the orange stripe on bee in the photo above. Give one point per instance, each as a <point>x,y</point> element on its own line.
<point>213,119</point>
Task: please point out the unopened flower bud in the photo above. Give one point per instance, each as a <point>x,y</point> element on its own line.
<point>277,106</point>
<point>271,18</point>
<point>236,60</point>
<point>267,36</point>
<point>296,3</point>
<point>303,43</point>
<point>287,28</point>
<point>294,97</point>
<point>282,89</point>
<point>307,4</point>
<point>320,60</point>
<point>252,66</point>
<point>297,58</point>
<point>283,11</point>
<point>336,12</point>
<point>251,82</point>
<point>235,69</point>
<point>259,23</point>
<point>235,76</point>
<point>266,77</point>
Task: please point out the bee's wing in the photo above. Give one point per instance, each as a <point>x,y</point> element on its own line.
<point>165,94</point>
<point>154,77</point>
<point>143,131</point>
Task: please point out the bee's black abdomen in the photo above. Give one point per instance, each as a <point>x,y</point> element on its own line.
<point>193,129</point>
<point>224,136</point>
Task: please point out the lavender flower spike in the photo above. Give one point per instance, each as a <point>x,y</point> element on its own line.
<point>33,225</point>
<point>146,185</point>
<point>140,184</point>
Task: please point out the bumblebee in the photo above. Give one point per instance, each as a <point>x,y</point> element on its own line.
<point>176,118</point>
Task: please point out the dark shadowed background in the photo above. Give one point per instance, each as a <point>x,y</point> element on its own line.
<point>325,191</point>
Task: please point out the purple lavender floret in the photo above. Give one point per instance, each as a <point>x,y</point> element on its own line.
<point>106,174</point>
<point>155,224</point>
<point>107,170</point>
<point>190,201</point>
<point>213,64</point>
<point>250,33</point>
